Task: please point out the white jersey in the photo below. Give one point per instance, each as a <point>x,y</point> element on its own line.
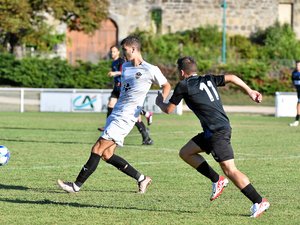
<point>136,82</point>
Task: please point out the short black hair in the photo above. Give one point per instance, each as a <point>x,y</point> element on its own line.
<point>187,64</point>
<point>297,61</point>
<point>132,40</point>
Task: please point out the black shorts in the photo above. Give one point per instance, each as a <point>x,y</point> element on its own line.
<point>115,93</point>
<point>218,144</point>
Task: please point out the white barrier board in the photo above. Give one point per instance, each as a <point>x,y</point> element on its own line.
<point>89,102</point>
<point>285,103</point>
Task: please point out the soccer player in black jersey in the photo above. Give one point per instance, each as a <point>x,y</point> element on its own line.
<point>296,83</point>
<point>201,96</point>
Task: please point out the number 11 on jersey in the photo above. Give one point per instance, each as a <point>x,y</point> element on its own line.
<point>205,87</point>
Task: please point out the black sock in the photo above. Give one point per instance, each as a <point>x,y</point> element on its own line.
<point>140,126</point>
<point>87,169</point>
<point>109,110</point>
<point>207,171</point>
<point>250,192</point>
<point>143,112</point>
<point>297,117</point>
<point>124,166</point>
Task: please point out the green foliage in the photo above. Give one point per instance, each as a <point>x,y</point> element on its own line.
<point>200,43</point>
<point>25,22</point>
<point>264,61</point>
<point>243,47</point>
<point>52,73</point>
<point>278,41</point>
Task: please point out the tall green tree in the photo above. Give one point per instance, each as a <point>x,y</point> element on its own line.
<point>25,22</point>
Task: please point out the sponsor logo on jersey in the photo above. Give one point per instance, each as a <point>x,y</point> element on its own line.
<point>138,75</point>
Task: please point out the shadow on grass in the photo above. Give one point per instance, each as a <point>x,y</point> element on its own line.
<point>38,128</point>
<point>80,205</point>
<point>13,187</point>
<point>54,142</point>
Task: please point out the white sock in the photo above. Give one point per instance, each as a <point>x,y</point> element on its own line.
<point>141,178</point>
<point>76,188</point>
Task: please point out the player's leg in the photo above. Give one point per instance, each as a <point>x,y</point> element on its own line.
<point>144,132</point>
<point>90,166</point>
<point>111,104</point>
<point>242,182</point>
<point>148,115</point>
<point>190,154</point>
<point>296,122</point>
<point>122,165</point>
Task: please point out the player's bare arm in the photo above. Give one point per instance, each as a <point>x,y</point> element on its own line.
<point>254,95</point>
<point>166,88</point>
<point>114,73</point>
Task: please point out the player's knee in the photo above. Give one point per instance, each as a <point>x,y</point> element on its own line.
<point>229,170</point>
<point>183,154</point>
<point>106,155</point>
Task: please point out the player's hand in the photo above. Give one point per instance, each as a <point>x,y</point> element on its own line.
<point>159,99</point>
<point>111,74</point>
<point>256,96</point>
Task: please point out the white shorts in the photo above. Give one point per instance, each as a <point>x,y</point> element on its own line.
<point>116,129</point>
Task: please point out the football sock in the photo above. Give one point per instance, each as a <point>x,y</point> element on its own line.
<point>142,129</point>
<point>250,192</point>
<point>207,171</point>
<point>109,111</point>
<point>143,112</point>
<point>297,117</point>
<point>142,177</point>
<point>88,169</point>
<point>140,126</point>
<point>124,166</point>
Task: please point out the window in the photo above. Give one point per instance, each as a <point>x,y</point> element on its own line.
<point>285,13</point>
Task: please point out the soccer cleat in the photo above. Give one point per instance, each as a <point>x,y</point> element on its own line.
<point>294,124</point>
<point>67,186</point>
<point>258,208</point>
<point>143,185</point>
<point>149,117</point>
<point>148,141</point>
<point>218,187</point>
<point>146,138</point>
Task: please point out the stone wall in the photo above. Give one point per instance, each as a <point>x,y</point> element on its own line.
<point>242,16</point>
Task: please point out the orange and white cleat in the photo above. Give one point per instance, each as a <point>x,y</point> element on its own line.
<point>218,187</point>
<point>258,208</point>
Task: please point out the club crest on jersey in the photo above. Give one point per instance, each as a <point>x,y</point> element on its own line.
<point>138,75</point>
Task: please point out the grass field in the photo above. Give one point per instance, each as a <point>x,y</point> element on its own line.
<point>48,146</point>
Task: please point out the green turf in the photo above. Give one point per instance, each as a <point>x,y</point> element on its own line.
<point>48,146</point>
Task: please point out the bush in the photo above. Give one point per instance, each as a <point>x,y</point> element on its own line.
<point>53,73</point>
<point>264,61</point>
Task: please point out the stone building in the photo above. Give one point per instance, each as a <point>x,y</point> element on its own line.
<point>167,16</point>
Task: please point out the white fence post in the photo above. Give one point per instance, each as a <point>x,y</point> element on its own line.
<point>22,101</point>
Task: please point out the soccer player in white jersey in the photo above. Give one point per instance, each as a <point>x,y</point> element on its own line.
<point>136,79</point>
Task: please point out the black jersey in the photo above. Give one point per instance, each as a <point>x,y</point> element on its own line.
<point>117,66</point>
<point>201,96</point>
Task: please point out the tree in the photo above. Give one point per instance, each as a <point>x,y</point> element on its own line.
<point>25,22</point>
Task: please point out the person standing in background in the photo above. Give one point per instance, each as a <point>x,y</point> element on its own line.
<point>296,83</point>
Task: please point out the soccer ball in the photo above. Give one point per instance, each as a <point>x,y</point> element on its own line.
<point>4,155</point>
